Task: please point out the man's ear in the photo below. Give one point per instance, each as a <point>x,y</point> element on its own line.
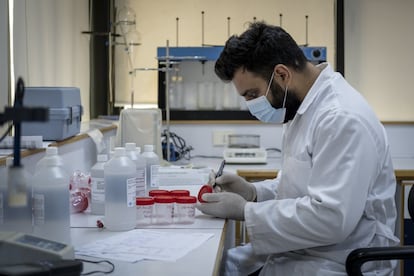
<point>282,72</point>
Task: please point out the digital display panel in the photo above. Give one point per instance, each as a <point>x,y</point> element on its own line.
<point>41,243</point>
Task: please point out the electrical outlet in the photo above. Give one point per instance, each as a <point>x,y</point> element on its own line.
<point>221,138</point>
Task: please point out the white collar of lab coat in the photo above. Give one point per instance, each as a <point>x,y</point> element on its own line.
<point>325,74</point>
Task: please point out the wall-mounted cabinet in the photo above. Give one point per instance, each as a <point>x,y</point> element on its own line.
<point>195,92</point>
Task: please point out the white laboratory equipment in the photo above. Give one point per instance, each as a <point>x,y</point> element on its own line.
<point>19,248</point>
<point>24,254</point>
<point>119,174</point>
<point>65,112</point>
<point>244,149</point>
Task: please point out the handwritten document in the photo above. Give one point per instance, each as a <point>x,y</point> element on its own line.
<point>140,244</point>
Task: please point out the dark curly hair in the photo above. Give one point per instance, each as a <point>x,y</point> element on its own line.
<point>258,50</point>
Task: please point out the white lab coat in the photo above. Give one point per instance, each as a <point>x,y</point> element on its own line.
<point>335,191</point>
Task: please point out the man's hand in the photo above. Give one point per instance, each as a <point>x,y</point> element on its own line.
<point>233,183</point>
<point>223,205</point>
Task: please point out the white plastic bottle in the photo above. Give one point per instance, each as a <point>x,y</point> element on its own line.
<point>153,163</point>
<point>15,218</point>
<point>98,185</point>
<point>140,163</point>
<point>119,174</point>
<point>51,207</point>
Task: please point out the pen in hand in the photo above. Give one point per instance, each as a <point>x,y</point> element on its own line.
<point>220,171</point>
<point>208,188</point>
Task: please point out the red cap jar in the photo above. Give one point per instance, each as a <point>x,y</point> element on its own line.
<point>163,209</point>
<point>185,209</point>
<point>145,206</point>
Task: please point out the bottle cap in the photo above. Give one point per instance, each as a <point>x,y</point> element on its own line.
<point>144,201</point>
<point>164,199</point>
<point>119,151</point>
<point>186,199</point>
<point>102,158</point>
<point>148,148</point>
<point>130,146</point>
<point>178,193</point>
<point>159,193</point>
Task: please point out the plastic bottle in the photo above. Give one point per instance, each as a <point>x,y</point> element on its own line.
<point>98,185</point>
<point>119,174</point>
<point>15,218</point>
<point>153,163</point>
<point>140,163</point>
<point>51,206</point>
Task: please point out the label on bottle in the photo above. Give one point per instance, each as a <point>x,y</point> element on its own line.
<point>39,209</point>
<point>131,192</point>
<point>98,189</point>
<point>154,175</point>
<point>140,182</point>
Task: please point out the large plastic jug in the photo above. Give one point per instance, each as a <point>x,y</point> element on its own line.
<point>120,190</point>
<point>51,207</point>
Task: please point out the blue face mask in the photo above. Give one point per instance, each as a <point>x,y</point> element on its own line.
<point>264,111</point>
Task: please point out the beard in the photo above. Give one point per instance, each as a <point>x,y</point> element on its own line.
<point>292,101</point>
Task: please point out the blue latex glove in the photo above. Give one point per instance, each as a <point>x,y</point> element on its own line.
<point>223,205</point>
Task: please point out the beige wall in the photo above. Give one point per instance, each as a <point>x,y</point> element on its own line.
<point>156,21</point>
<point>379,55</point>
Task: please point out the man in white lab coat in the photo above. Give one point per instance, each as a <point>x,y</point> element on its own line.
<point>335,190</point>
